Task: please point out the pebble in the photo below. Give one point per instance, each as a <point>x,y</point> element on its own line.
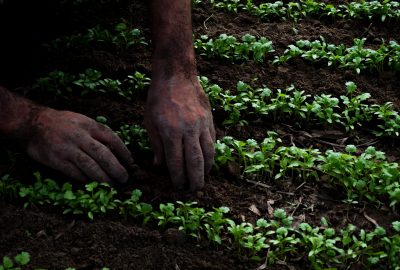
<point>75,251</point>
<point>174,236</point>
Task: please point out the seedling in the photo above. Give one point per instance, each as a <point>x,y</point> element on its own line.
<point>16,263</point>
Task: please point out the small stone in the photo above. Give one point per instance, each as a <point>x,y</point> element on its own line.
<point>174,236</point>
<point>75,251</point>
<point>200,194</point>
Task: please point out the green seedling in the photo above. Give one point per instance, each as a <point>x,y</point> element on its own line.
<point>119,37</point>
<point>133,208</point>
<point>9,188</point>
<point>322,246</point>
<point>214,223</point>
<point>16,263</point>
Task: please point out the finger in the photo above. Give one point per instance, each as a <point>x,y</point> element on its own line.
<point>71,171</point>
<point>157,146</point>
<point>106,136</point>
<point>89,167</point>
<point>61,165</point>
<point>194,162</point>
<point>106,159</point>
<point>207,147</point>
<point>174,159</point>
<point>212,132</point>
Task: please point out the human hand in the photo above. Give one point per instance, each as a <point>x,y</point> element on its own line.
<point>76,145</point>
<point>181,130</point>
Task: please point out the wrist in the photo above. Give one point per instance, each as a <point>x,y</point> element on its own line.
<point>180,84</point>
<point>166,68</point>
<point>17,114</point>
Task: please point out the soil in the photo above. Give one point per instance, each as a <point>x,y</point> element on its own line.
<point>56,241</point>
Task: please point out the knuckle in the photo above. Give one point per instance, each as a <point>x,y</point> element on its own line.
<point>198,159</point>
<point>174,162</point>
<point>191,131</point>
<point>92,167</point>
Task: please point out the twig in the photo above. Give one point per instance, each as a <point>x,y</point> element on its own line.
<point>297,206</point>
<point>373,221</point>
<point>329,143</point>
<point>257,183</point>
<point>286,193</point>
<point>371,142</point>
<point>302,184</point>
<point>204,23</point>
<point>366,30</point>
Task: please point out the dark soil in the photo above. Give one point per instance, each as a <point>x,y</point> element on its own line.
<point>56,241</point>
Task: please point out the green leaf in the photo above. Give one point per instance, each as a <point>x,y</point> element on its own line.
<point>224,209</point>
<point>7,262</point>
<point>324,222</point>
<point>280,213</point>
<point>136,194</point>
<point>329,232</point>
<point>396,226</point>
<point>262,223</point>
<point>69,195</point>
<point>90,187</point>
<point>23,258</point>
<point>282,231</point>
<point>351,87</point>
<point>351,149</point>
<point>120,27</point>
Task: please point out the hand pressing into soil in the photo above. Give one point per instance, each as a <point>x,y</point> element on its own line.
<point>178,114</point>
<point>181,130</point>
<point>68,142</point>
<point>78,146</point>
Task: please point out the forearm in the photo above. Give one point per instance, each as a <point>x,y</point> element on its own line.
<point>16,113</point>
<point>172,39</point>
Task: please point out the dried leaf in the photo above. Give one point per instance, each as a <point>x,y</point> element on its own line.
<point>255,210</point>
<point>270,208</point>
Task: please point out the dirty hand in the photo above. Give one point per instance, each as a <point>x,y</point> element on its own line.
<point>180,125</point>
<point>77,146</point>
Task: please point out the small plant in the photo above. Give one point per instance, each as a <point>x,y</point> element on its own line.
<point>356,57</point>
<point>355,111</point>
<point>16,263</point>
<point>227,47</point>
<point>370,10</point>
<point>92,82</point>
<point>97,198</point>
<point>166,215</point>
<point>119,37</point>
<point>190,218</point>
<point>136,134</point>
<point>133,208</point>
<point>214,223</point>
<point>9,188</point>
<point>273,240</point>
<point>239,233</point>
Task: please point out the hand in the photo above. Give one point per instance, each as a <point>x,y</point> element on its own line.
<point>77,146</point>
<point>180,125</point>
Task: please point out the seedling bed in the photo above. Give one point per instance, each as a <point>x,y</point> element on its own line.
<point>58,39</point>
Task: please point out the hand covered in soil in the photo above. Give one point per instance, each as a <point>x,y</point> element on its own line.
<point>77,146</point>
<point>180,125</point>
